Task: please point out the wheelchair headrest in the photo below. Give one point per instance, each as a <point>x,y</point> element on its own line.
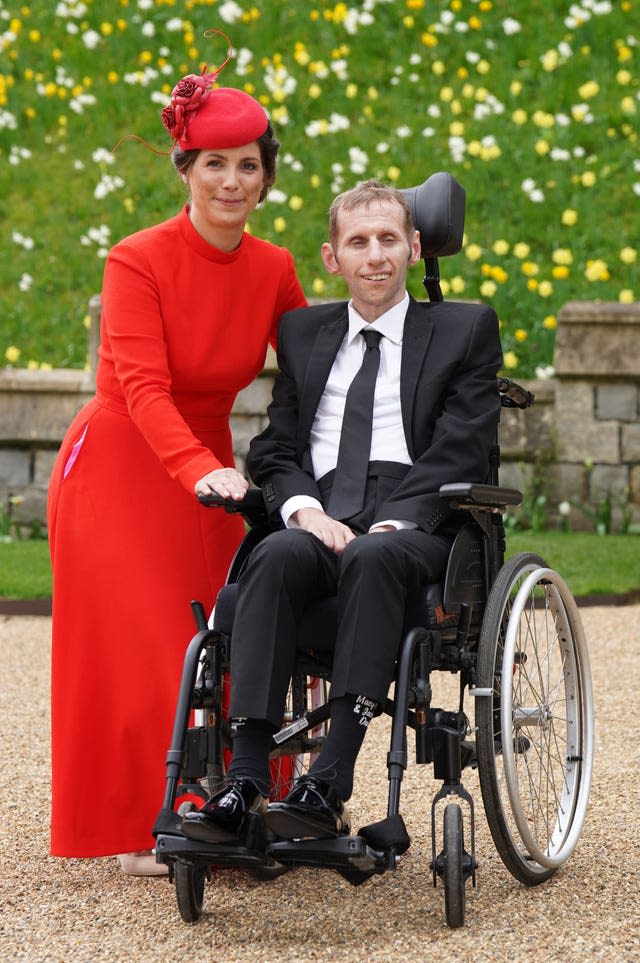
<point>437,207</point>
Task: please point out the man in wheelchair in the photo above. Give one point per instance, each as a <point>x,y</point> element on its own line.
<point>380,400</point>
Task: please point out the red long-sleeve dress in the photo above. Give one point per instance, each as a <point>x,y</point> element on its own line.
<point>185,326</point>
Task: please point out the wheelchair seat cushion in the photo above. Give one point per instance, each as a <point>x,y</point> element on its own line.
<point>319,624</point>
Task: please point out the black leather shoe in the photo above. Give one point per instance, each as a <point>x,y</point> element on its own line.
<point>312,809</point>
<point>222,816</point>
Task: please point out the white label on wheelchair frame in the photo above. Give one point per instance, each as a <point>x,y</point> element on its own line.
<point>298,726</point>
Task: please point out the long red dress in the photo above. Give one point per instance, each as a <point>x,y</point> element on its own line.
<point>185,326</point>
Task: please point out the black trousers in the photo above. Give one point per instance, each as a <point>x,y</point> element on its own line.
<point>292,568</point>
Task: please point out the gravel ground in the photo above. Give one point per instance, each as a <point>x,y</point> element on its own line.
<point>86,910</point>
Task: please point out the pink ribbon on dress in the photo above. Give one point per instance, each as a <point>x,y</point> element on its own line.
<point>75,451</point>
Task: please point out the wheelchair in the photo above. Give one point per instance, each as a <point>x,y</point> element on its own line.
<point>510,631</point>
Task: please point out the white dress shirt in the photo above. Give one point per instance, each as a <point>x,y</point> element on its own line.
<point>387,439</point>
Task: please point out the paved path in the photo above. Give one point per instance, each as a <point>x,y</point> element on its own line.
<point>85,911</point>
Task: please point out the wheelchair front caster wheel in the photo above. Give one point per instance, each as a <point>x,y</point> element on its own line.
<point>453,875</point>
<point>189,883</point>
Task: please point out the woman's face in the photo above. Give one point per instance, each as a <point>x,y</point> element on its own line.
<point>225,186</point>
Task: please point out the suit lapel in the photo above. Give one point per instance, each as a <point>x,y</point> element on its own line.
<point>418,329</point>
<point>323,353</point>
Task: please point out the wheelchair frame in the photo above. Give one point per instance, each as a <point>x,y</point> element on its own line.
<point>512,632</point>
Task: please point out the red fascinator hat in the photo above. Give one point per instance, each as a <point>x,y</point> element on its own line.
<point>198,117</point>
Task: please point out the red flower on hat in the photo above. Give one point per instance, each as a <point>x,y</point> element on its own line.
<point>189,93</point>
<point>186,97</point>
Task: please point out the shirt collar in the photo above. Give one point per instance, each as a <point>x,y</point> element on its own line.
<point>390,324</point>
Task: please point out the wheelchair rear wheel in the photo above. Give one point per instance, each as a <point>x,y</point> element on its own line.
<point>535,729</point>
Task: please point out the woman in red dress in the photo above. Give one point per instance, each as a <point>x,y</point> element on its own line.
<point>189,307</point>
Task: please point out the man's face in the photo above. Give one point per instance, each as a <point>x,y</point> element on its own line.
<point>372,253</point>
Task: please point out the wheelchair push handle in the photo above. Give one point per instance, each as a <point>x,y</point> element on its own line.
<point>513,395</point>
<point>251,506</point>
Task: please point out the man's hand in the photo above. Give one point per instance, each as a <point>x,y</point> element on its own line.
<point>226,482</point>
<point>333,534</point>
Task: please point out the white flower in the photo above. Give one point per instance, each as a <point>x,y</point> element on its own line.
<point>358,160</point>
<point>91,39</point>
<point>564,508</point>
<point>174,24</point>
<point>403,131</point>
<point>230,12</point>
<point>25,282</point>
<point>102,156</point>
<point>511,26</point>
<point>148,29</point>
<point>276,196</point>
<point>545,371</point>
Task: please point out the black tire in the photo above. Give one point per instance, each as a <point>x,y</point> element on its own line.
<point>453,866</point>
<point>535,728</point>
<point>189,882</point>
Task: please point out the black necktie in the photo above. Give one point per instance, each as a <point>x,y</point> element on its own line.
<point>347,493</point>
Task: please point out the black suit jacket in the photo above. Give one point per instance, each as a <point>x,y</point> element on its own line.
<point>448,389</point>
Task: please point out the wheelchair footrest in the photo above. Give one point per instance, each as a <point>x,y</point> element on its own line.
<point>351,856</point>
<point>170,847</point>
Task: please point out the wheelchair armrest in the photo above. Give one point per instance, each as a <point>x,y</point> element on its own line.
<point>470,495</point>
<point>251,506</point>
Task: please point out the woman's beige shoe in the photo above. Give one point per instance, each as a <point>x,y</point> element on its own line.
<point>141,864</point>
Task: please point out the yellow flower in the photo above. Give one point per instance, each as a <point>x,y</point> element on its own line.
<point>560,272</point>
<point>438,68</point>
<point>542,147</point>
<point>597,270</point>
<point>45,366</point>
<point>628,255</point>
<point>562,255</point>
<point>569,217</point>
<point>550,322</point>
<point>545,289</point>
<point>499,274</point>
<point>446,94</point>
<point>626,296</point>
<point>628,105</point>
<point>515,88</point>
<point>295,202</point>
<point>429,40</point>
<point>532,285</point>
<point>12,354</point>
<point>32,365</point>
<point>510,360</point>
<point>280,225</point>
<point>393,173</point>
<point>519,117</point>
<point>521,250</point>
<point>35,36</point>
<point>473,252</point>
<point>520,334</point>
<point>318,286</point>
<point>457,284</point>
<point>315,90</point>
<point>351,90</point>
<point>500,247</point>
<point>488,289</point>
<point>590,89</point>
<point>86,321</point>
<point>530,269</point>
<point>314,180</point>
<point>624,77</point>
<point>588,179</point>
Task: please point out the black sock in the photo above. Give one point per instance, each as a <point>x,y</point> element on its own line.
<point>350,718</point>
<point>250,756</point>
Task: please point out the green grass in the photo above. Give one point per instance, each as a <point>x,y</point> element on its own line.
<point>591,564</point>
<point>25,569</point>
<point>534,114</point>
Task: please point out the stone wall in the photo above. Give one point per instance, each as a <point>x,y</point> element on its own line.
<point>580,440</point>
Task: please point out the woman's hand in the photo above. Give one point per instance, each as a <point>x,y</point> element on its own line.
<point>226,482</point>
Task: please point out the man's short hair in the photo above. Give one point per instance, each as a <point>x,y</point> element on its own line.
<point>364,195</point>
